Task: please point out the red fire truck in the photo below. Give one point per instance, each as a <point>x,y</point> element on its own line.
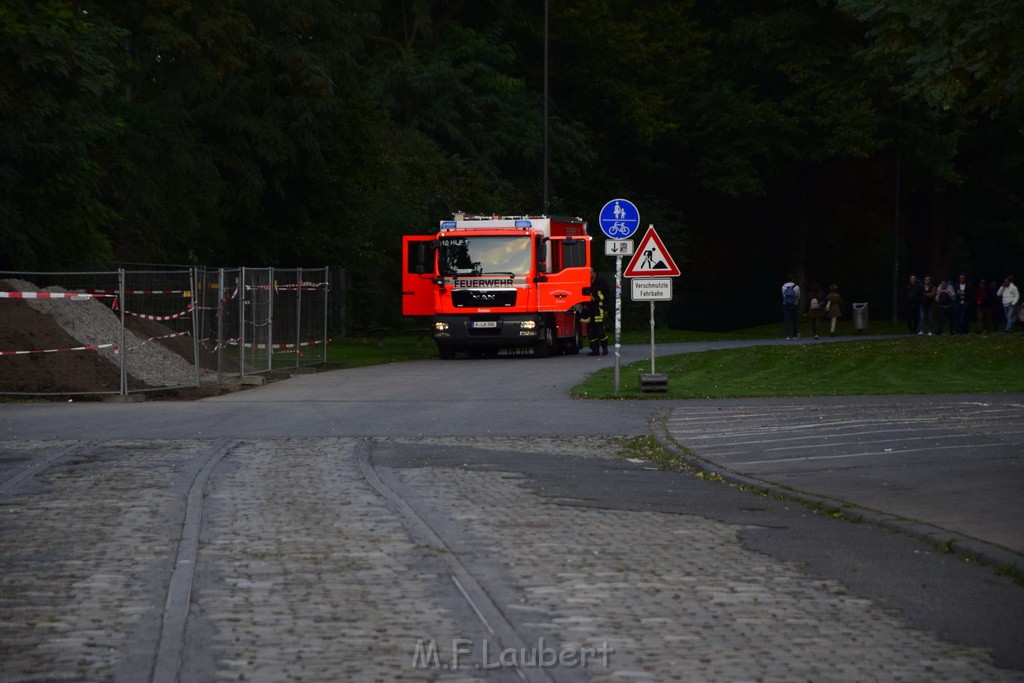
<point>500,282</point>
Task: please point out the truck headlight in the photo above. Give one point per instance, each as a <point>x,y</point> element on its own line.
<point>440,327</point>
<point>528,324</point>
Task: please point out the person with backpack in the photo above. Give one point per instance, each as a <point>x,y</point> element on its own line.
<point>913,299</point>
<point>790,308</point>
<point>815,306</point>
<point>944,298</point>
<point>927,306</point>
<point>833,308</point>
<point>963,304</point>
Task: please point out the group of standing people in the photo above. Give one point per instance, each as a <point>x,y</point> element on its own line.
<point>931,308</point>
<point>817,306</point>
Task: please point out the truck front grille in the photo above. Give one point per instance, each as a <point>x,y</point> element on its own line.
<point>484,298</point>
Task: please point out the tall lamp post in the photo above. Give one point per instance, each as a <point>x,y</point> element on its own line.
<point>896,246</point>
<point>545,125</point>
<point>896,231</point>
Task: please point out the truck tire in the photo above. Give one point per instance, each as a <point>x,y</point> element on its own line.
<point>574,344</point>
<point>542,349</point>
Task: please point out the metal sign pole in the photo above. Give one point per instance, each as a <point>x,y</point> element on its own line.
<point>618,317</point>
<point>652,337</point>
<point>618,219</point>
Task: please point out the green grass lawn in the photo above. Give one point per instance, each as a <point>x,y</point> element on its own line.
<point>897,365</point>
<point>354,352</point>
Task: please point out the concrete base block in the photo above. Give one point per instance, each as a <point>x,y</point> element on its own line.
<point>653,382</point>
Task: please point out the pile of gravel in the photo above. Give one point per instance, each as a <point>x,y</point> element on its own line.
<point>92,323</point>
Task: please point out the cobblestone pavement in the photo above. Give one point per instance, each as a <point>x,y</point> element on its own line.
<point>305,570</point>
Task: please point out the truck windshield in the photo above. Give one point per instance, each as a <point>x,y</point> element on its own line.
<point>484,255</point>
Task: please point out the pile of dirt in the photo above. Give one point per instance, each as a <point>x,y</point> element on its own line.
<point>47,324</point>
<point>48,372</point>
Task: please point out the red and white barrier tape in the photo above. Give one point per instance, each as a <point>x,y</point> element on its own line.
<point>166,336</point>
<point>138,291</point>
<point>256,345</point>
<point>79,296</point>
<point>93,347</point>
<point>292,285</point>
<point>173,316</point>
<point>311,286</point>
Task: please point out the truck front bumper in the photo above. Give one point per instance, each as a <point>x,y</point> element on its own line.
<point>488,330</point>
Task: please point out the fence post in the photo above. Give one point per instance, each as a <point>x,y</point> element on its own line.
<point>298,316</point>
<point>241,321</point>
<point>327,296</point>
<point>121,337</point>
<point>194,287</point>
<point>271,295</point>
<point>221,342</point>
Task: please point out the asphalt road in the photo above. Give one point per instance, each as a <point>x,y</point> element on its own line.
<point>435,434</point>
<point>470,397</point>
<point>955,463</point>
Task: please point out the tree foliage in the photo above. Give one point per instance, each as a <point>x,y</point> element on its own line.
<point>58,133</point>
<point>761,140</point>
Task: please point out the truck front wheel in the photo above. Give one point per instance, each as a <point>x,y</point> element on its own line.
<point>542,349</point>
<point>572,346</point>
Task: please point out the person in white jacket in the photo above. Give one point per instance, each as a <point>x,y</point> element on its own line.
<point>1010,295</point>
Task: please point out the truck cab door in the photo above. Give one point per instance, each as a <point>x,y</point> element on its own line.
<point>568,283</point>
<point>418,272</point>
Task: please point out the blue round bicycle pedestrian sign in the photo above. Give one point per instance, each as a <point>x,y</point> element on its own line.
<point>619,219</point>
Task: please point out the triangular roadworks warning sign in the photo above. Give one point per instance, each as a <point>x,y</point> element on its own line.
<point>651,259</point>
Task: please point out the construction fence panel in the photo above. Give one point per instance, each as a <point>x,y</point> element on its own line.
<point>206,308</point>
<point>158,350</point>
<point>256,311</point>
<point>300,317</point>
<point>59,334</point>
<point>219,291</point>
<point>127,331</point>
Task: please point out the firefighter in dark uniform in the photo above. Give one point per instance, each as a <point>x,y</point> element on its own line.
<point>600,311</point>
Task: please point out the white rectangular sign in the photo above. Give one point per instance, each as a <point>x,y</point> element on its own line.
<point>618,248</point>
<point>652,289</point>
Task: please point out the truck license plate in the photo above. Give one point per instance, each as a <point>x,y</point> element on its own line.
<point>484,323</point>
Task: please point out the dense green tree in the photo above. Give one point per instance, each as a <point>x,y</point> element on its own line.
<point>949,54</point>
<point>782,116</point>
<point>447,71</point>
<point>237,111</point>
<point>730,123</point>
<point>59,65</point>
<point>760,140</point>
<point>952,73</point>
